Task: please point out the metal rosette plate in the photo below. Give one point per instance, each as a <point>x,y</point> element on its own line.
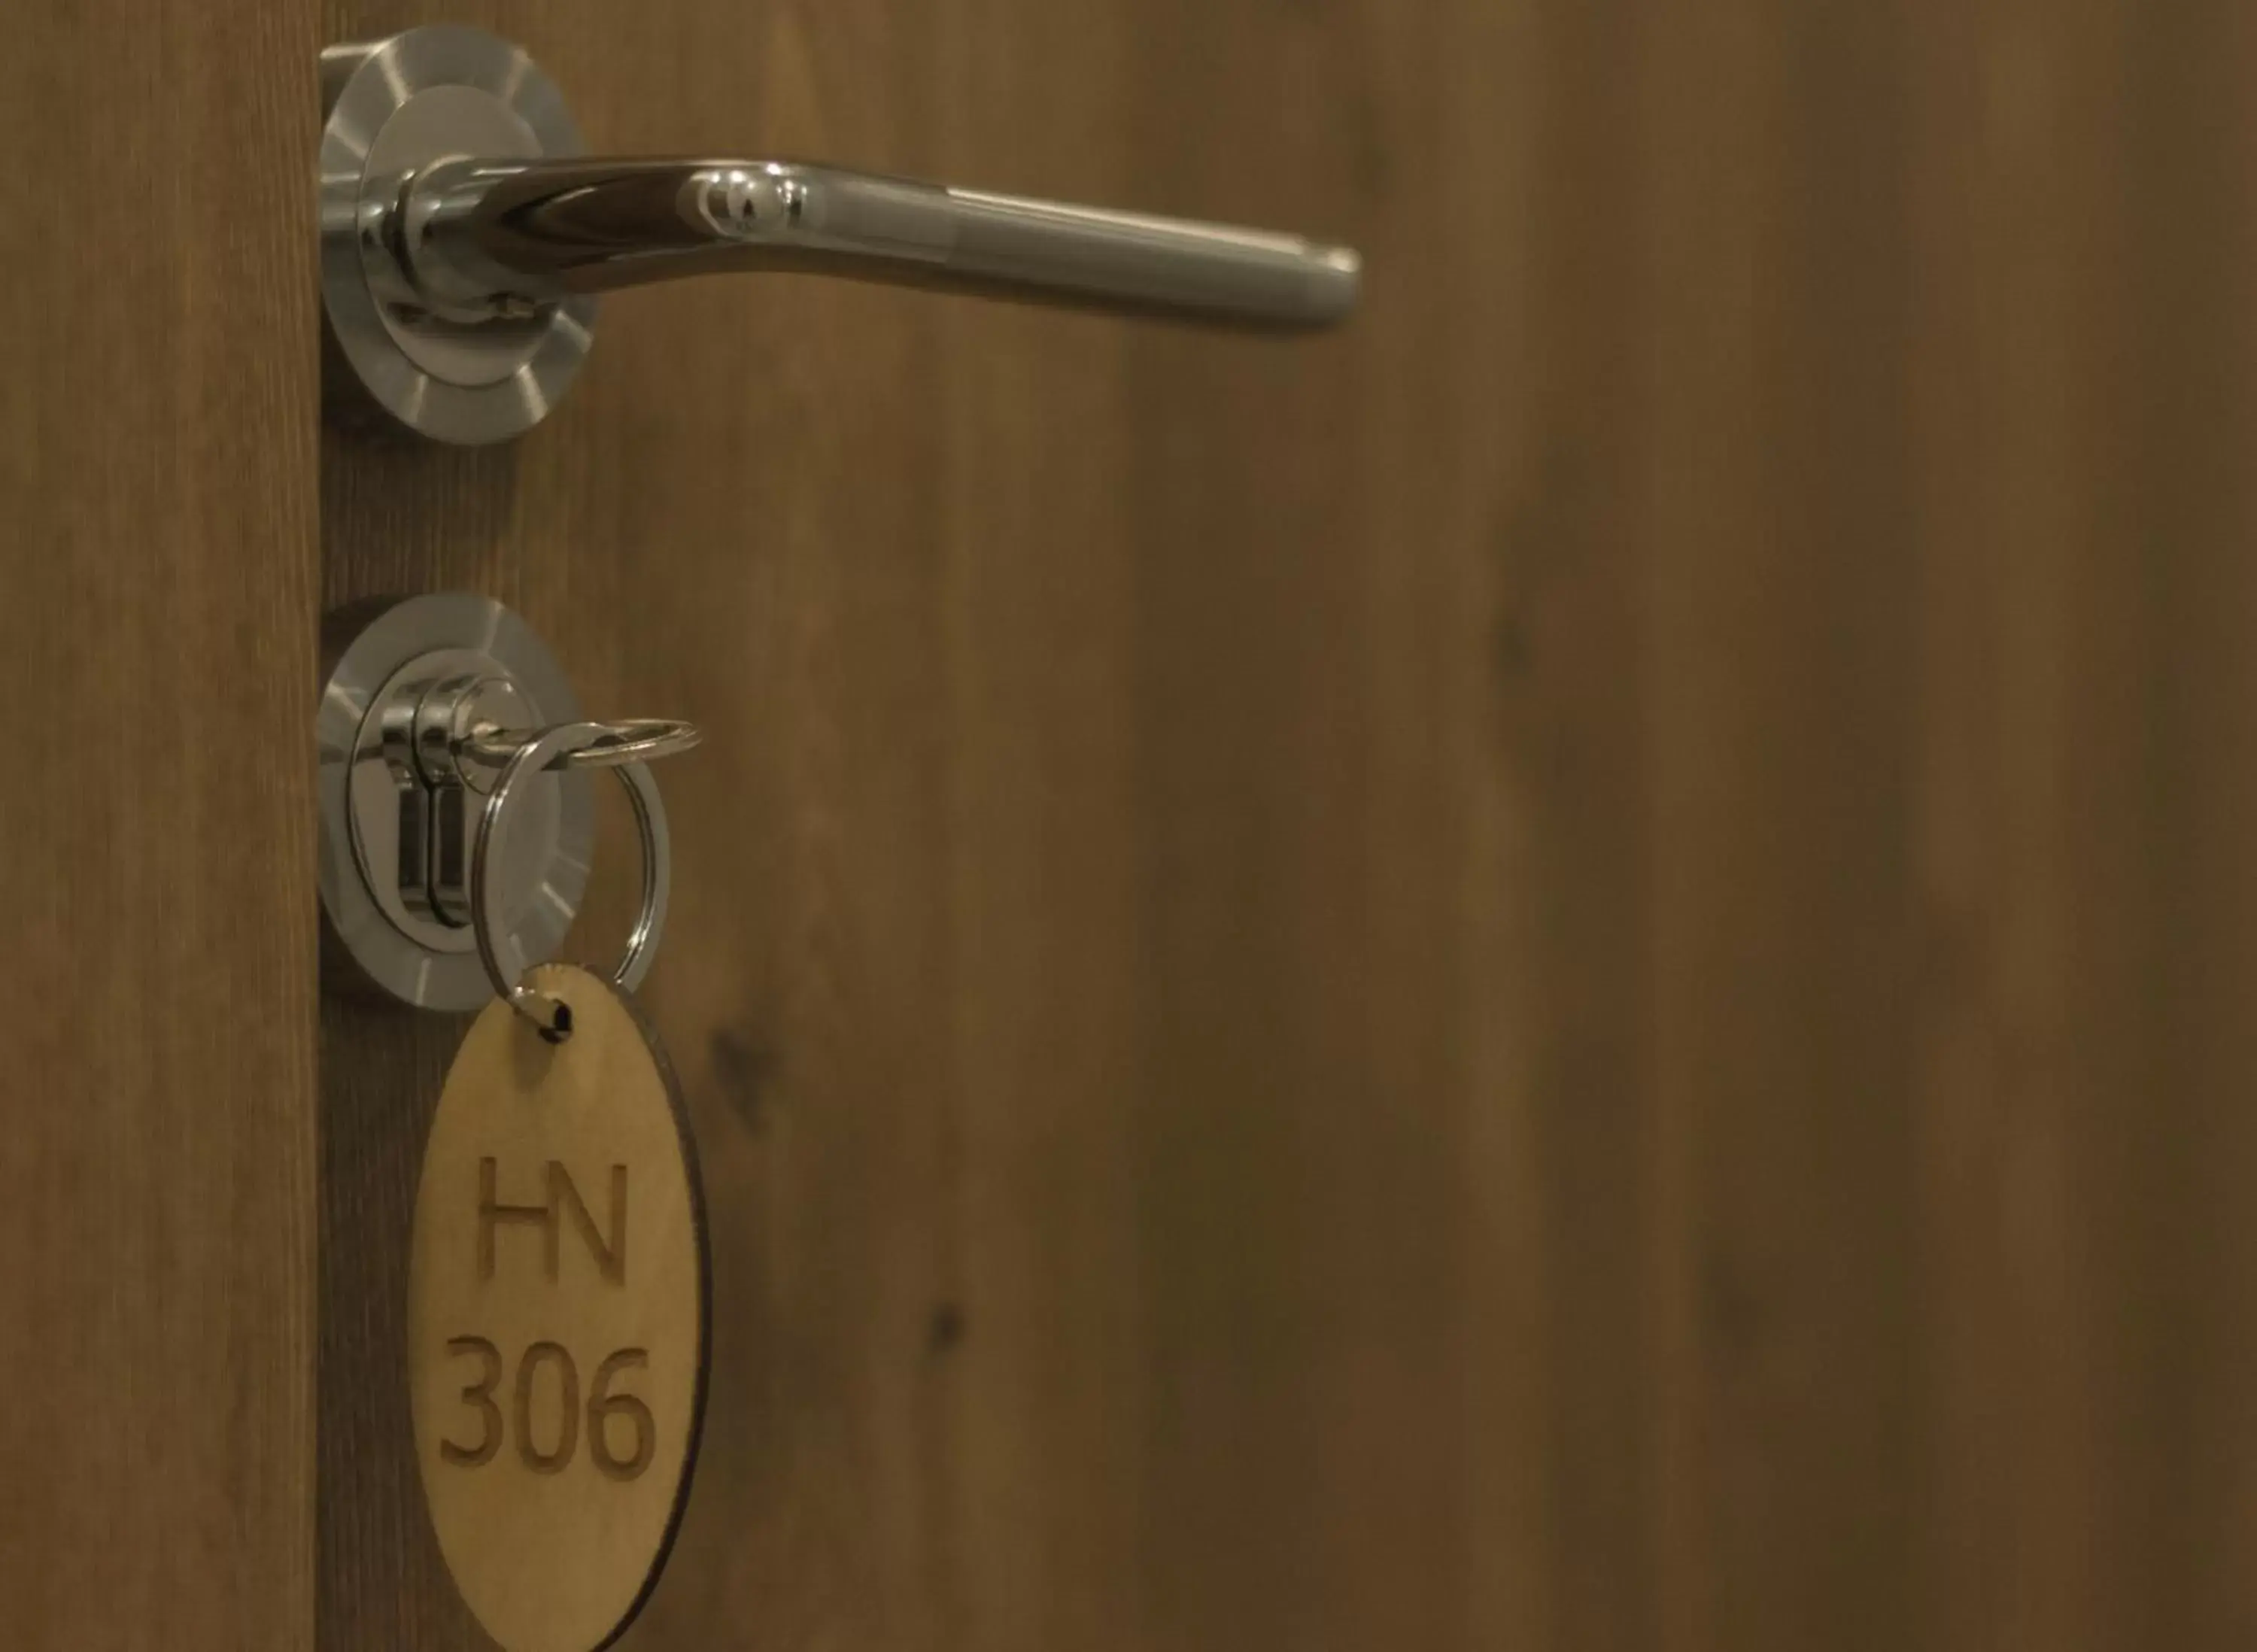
<point>401,650</point>
<point>389,108</point>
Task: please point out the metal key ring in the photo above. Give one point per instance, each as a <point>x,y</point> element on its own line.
<point>634,740</point>
<point>505,961</point>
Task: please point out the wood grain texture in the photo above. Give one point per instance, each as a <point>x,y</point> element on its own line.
<point>556,1318</point>
<point>157,458</point>
<point>1562,972</point>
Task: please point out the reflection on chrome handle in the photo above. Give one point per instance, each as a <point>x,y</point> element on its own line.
<point>483,239</point>
<point>464,239</point>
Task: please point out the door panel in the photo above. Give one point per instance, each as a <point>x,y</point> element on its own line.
<point>1559,973</point>
<point>1562,972</point>
<point>156,376</point>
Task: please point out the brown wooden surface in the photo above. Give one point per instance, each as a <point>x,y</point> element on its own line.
<point>556,1318</point>
<point>157,465</point>
<point>1566,972</point>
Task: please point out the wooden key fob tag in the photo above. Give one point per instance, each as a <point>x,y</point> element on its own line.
<point>556,1314</point>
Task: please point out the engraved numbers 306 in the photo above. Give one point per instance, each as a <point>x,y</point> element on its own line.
<point>603,1405</point>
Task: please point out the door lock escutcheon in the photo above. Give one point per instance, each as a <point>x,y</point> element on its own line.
<point>399,803</point>
<point>464,236</point>
<point>426,706</point>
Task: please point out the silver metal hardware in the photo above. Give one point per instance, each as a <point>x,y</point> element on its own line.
<point>463,238</point>
<point>613,745</point>
<point>394,108</point>
<point>431,715</point>
<point>504,960</point>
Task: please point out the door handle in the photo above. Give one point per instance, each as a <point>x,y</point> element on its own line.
<point>465,237</point>
<point>490,236</point>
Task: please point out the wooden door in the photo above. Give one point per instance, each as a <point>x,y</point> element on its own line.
<point>1567,971</point>
<point>157,960</point>
<point>1559,973</point>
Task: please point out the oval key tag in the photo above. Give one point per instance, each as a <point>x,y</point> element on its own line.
<point>556,1318</point>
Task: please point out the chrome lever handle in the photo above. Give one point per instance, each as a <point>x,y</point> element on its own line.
<point>465,238</point>
<point>502,235</point>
